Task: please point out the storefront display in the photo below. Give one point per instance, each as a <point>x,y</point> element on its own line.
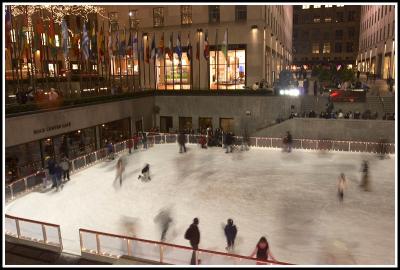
<point>228,72</point>
<point>173,75</point>
<point>116,131</point>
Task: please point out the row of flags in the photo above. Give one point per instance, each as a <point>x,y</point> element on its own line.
<point>102,45</point>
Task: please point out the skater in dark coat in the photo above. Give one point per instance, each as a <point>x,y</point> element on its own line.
<point>58,172</point>
<point>230,233</point>
<point>51,165</point>
<point>145,173</point>
<point>193,235</point>
<point>182,141</point>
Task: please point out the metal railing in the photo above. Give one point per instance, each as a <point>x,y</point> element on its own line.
<point>33,181</point>
<point>34,231</point>
<point>115,246</point>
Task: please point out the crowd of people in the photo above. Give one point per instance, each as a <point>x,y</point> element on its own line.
<point>38,95</point>
<point>57,172</point>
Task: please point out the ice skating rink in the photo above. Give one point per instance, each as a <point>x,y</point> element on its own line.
<point>289,198</point>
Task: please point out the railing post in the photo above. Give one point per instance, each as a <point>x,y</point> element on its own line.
<point>349,147</point>
<point>95,156</point>
<point>44,234</point>
<point>165,138</point>
<point>80,240</point>
<point>98,243</point>
<point>73,165</point>
<point>301,143</point>
<point>18,228</point>
<point>256,142</point>
<point>12,192</point>
<point>316,146</point>
<point>26,185</point>
<point>128,246</point>
<point>161,254</point>
<point>271,142</point>
<point>366,147</point>
<point>84,158</point>
<point>59,237</point>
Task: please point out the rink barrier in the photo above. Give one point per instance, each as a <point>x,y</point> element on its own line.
<point>115,246</point>
<point>44,234</point>
<point>33,181</point>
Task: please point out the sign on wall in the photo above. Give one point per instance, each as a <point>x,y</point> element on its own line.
<point>51,128</point>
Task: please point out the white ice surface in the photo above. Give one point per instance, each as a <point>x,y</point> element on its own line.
<point>289,198</point>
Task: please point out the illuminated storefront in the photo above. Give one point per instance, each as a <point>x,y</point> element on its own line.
<point>173,74</point>
<point>228,72</point>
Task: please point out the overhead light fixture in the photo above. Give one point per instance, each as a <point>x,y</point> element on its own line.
<point>200,30</point>
<point>254,27</point>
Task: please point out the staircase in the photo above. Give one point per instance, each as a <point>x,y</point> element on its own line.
<point>307,104</point>
<point>388,104</point>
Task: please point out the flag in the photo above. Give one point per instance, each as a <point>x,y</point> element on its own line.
<point>8,28</point>
<point>101,44</point>
<point>110,44</point>
<point>169,48</point>
<point>206,47</point>
<point>64,37</point>
<point>85,42</point>
<point>21,41</point>
<point>178,48</point>
<point>76,44</point>
<point>130,45</point>
<point>52,41</point>
<point>122,46</point>
<point>198,48</point>
<point>153,47</point>
<point>224,48</point>
<point>93,40</point>
<point>160,52</point>
<point>142,50</point>
<point>135,47</point>
<point>147,58</point>
<point>189,48</point>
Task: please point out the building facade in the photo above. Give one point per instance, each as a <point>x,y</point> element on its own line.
<point>325,33</point>
<point>249,31</point>
<point>376,53</point>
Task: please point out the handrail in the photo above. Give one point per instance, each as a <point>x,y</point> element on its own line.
<point>32,221</point>
<point>182,247</point>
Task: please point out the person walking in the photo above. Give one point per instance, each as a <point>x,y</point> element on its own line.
<point>365,177</point>
<point>58,174</point>
<point>144,140</point>
<point>182,141</point>
<point>289,141</point>
<point>229,142</point>
<point>129,144</point>
<point>51,165</point>
<point>193,235</point>
<point>65,167</point>
<point>230,234</point>
<point>262,251</point>
<point>341,186</point>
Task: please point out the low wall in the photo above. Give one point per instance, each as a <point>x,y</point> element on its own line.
<point>333,129</point>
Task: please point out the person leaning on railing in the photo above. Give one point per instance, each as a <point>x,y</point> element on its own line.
<point>262,251</point>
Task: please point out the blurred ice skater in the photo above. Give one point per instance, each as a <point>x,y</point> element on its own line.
<point>163,219</point>
<point>120,168</point>
<point>341,186</point>
<point>145,176</point>
<point>365,183</point>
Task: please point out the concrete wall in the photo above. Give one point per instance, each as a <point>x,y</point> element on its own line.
<point>21,129</point>
<point>264,109</point>
<point>334,129</point>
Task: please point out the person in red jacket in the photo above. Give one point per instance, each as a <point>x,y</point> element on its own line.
<point>203,141</point>
<point>135,141</point>
<point>130,145</point>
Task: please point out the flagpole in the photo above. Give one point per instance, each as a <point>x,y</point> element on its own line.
<point>144,60</point>
<point>226,60</point>
<point>81,67</point>
<point>165,63</point>
<point>29,38</point>
<point>13,48</point>
<point>173,70</point>
<point>119,60</point>
<point>99,63</point>
<point>55,58</point>
<point>198,52</point>
<point>180,60</point>
<point>138,59</point>
<point>191,63</point>
<point>154,64</point>
<point>217,57</point>
<point>126,61</point>
<point>148,59</point>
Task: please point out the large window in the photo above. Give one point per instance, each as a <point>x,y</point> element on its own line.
<point>349,47</point>
<point>317,19</point>
<point>305,6</point>
<point>173,74</point>
<point>116,131</point>
<point>315,48</point>
<point>240,13</point>
<point>213,14</point>
<point>327,47</point>
<point>328,19</point>
<point>158,16</point>
<point>185,123</point>
<point>339,17</point>
<point>339,34</point>
<point>186,15</point>
<point>351,16</point>
<point>228,72</point>
<point>338,47</point>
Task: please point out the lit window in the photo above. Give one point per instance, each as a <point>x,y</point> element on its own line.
<point>57,39</point>
<point>315,48</point>
<point>158,17</point>
<point>44,39</point>
<point>317,19</point>
<point>305,7</point>
<point>13,35</point>
<point>28,37</point>
<point>328,6</point>
<point>75,67</point>
<point>186,15</point>
<point>340,5</point>
<point>328,19</point>
<point>213,14</point>
<point>317,6</point>
<point>327,48</point>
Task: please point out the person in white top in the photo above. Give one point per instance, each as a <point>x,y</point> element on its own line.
<point>53,95</point>
<point>341,186</point>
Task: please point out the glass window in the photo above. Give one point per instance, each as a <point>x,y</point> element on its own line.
<point>204,123</point>
<point>213,14</point>
<point>305,6</point>
<point>44,39</point>
<point>327,47</point>
<point>174,74</point>
<point>328,19</point>
<point>317,6</point>
<point>158,17</point>
<point>340,5</point>
<point>349,47</point>
<point>227,72</point>
<point>317,19</point>
<point>186,15</point>
<point>315,48</point>
<point>57,39</point>
<point>185,123</point>
<point>339,16</point>
<point>240,13</point>
<point>338,47</point>
<point>339,34</point>
<point>116,131</point>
